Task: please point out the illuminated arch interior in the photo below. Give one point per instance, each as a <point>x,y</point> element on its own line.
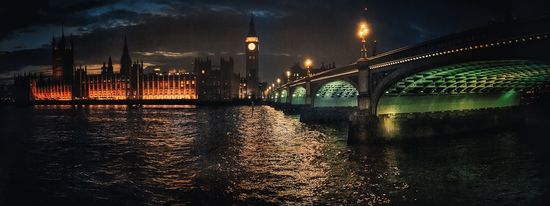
<point>276,97</point>
<point>283,97</point>
<point>299,96</point>
<point>336,94</point>
<point>474,85</point>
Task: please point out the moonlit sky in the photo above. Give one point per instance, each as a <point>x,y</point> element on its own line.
<point>170,34</point>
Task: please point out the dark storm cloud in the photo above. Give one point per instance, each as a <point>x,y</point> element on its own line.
<point>170,33</point>
<point>19,59</point>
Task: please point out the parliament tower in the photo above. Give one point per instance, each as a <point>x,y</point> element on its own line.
<point>252,54</point>
<point>62,58</point>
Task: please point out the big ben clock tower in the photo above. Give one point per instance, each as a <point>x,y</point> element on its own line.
<point>252,53</point>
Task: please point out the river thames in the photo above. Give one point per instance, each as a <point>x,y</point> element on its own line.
<point>187,155</point>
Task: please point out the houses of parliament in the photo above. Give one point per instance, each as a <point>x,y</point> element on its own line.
<point>206,82</point>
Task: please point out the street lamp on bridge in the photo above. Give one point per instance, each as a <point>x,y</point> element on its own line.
<point>362,33</point>
<point>308,64</point>
<point>288,75</point>
<point>278,81</point>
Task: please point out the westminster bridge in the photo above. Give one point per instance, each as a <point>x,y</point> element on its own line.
<point>441,86</point>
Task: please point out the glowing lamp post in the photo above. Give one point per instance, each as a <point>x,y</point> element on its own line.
<point>308,64</point>
<point>288,75</point>
<point>362,33</point>
<point>278,81</point>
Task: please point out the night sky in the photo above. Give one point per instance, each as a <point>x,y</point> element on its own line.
<point>169,34</point>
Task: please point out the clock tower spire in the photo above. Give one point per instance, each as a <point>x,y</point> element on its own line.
<point>252,54</point>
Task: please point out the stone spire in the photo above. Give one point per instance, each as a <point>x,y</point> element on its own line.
<point>251,27</point>
<point>125,60</point>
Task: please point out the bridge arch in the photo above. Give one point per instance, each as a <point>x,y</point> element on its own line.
<point>271,97</point>
<point>276,96</point>
<point>283,96</point>
<point>337,93</point>
<point>459,86</point>
<point>298,96</point>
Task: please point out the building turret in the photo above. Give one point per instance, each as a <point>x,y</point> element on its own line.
<point>62,59</point>
<point>110,68</point>
<point>125,60</point>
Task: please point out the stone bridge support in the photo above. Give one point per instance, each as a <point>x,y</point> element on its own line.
<point>309,100</point>
<point>361,121</point>
<point>288,95</point>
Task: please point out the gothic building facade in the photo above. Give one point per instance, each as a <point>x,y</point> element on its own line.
<point>216,82</point>
<point>77,84</point>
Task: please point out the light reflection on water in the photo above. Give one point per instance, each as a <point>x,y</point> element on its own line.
<point>198,155</point>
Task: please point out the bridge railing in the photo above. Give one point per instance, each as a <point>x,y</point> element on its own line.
<point>477,36</point>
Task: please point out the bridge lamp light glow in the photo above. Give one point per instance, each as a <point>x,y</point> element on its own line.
<point>278,80</point>
<point>308,62</point>
<point>288,73</point>
<point>362,32</point>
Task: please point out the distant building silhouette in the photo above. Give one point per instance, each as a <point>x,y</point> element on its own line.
<point>62,58</point>
<point>216,83</point>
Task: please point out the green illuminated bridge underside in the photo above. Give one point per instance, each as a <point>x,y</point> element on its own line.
<point>474,77</point>
<point>475,85</point>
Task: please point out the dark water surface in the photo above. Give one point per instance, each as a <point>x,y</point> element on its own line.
<point>175,155</point>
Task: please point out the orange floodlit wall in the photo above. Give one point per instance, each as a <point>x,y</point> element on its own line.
<point>106,88</point>
<point>52,91</point>
<point>153,87</point>
<point>169,87</point>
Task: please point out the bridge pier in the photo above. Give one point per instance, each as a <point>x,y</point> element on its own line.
<point>308,97</point>
<point>367,129</point>
<point>362,128</point>
<point>362,122</point>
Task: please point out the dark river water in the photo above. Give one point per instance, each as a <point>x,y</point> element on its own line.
<point>178,155</point>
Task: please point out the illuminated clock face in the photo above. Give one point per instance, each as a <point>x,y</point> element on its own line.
<point>251,46</point>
